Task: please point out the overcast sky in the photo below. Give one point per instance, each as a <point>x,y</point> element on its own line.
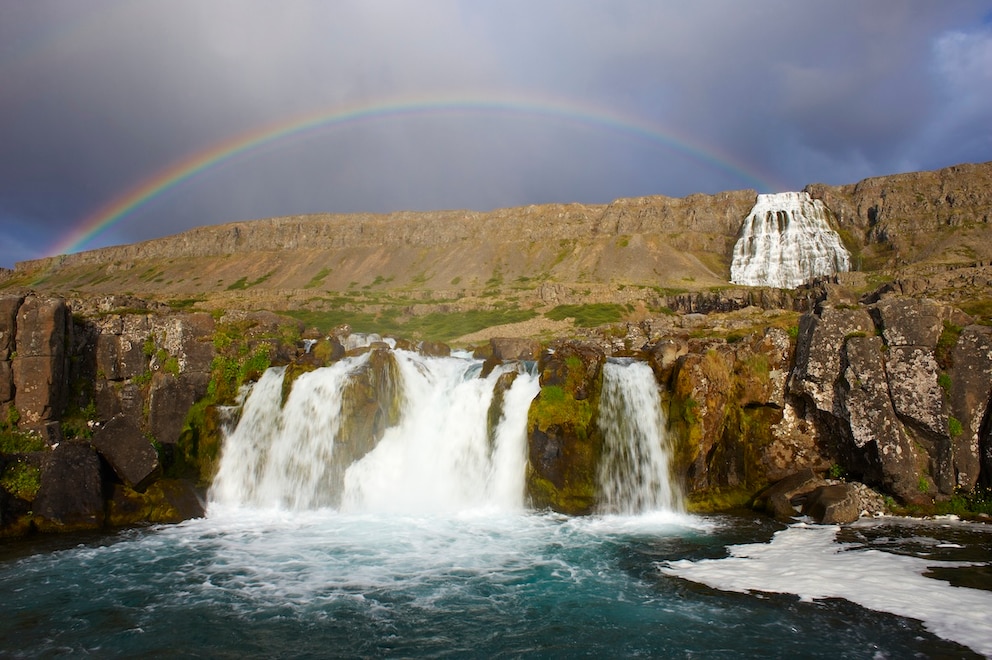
<point>554,101</point>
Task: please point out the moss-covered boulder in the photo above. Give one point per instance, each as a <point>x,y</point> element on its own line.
<point>564,440</point>
<point>165,501</point>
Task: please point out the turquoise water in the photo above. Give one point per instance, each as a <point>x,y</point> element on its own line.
<point>257,583</point>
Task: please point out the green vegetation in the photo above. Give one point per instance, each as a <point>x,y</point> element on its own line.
<point>980,309</point>
<point>944,380</point>
<point>438,326</point>
<point>21,479</point>
<point>76,421</point>
<point>15,441</point>
<point>243,283</point>
<point>317,279</point>
<point>954,427</point>
<point>967,504</point>
<point>588,316</point>
<point>184,304</point>
<point>945,345</point>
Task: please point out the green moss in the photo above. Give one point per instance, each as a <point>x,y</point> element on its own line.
<point>243,283</point>
<point>21,480</point>
<point>944,380</point>
<point>198,447</point>
<point>718,500</point>
<point>554,406</point>
<point>954,427</point>
<point>945,345</point>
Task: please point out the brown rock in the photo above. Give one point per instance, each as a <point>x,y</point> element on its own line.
<point>510,348</point>
<point>835,504</point>
<point>778,498</point>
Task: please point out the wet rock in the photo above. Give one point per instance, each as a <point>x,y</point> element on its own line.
<point>165,501</point>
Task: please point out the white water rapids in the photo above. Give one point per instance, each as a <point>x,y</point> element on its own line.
<point>449,449</point>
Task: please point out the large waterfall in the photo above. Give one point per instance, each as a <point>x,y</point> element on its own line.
<point>785,241</point>
<point>415,434</point>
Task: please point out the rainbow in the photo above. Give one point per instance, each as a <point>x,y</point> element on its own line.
<point>222,152</point>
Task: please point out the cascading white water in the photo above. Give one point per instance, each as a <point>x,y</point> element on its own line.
<point>634,475</point>
<point>785,241</point>
<point>439,456</point>
<point>280,455</point>
<point>446,448</point>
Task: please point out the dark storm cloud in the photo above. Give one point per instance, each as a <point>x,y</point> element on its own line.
<point>96,97</point>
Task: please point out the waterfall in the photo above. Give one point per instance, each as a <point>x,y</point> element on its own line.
<point>440,456</point>
<point>393,431</point>
<point>634,475</point>
<point>785,241</point>
<point>317,449</point>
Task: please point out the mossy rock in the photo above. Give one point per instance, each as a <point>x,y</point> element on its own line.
<point>165,501</point>
<point>564,442</point>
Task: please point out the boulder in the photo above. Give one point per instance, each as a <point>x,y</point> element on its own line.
<point>778,498</point>
<point>510,348</point>
<point>128,452</point>
<point>70,496</point>
<point>433,349</point>
<point>165,501</point>
<point>833,504</point>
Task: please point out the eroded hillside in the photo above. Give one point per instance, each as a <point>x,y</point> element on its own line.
<point>634,257</point>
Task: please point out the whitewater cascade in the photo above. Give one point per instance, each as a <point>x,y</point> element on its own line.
<point>634,474</point>
<point>785,241</point>
<point>458,440</point>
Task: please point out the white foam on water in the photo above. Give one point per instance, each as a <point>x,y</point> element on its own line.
<point>806,561</point>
